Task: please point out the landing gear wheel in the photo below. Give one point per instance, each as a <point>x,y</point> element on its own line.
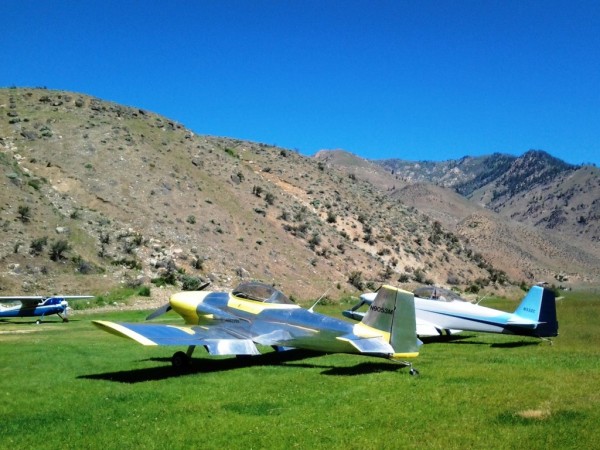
<point>38,322</point>
<point>180,361</point>
<point>65,319</point>
<point>413,372</point>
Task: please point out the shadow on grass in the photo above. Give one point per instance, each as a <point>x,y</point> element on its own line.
<point>358,369</point>
<point>515,344</point>
<point>208,365</point>
<point>33,321</point>
<point>446,338</point>
<point>199,365</point>
<point>461,340</point>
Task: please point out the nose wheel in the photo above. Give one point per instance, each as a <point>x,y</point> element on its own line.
<point>182,360</point>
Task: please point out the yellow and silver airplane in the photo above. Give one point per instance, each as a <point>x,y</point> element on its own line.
<point>232,323</point>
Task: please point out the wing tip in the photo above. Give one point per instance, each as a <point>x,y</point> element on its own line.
<point>122,331</point>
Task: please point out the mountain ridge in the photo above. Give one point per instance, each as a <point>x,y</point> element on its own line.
<point>138,197</point>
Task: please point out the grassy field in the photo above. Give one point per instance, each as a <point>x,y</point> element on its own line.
<point>73,386</point>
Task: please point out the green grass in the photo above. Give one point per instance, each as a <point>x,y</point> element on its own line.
<point>73,386</point>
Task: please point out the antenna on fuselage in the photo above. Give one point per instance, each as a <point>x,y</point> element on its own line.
<point>311,309</point>
<point>480,300</point>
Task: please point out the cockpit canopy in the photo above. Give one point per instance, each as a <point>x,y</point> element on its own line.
<point>437,293</point>
<point>260,292</point>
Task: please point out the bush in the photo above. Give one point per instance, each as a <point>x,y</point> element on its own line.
<point>144,291</point>
<point>269,198</point>
<point>190,283</point>
<point>83,267</point>
<point>404,278</point>
<point>24,213</point>
<point>314,240</point>
<point>58,249</point>
<point>331,217</point>
<point>37,245</point>
<point>355,279</point>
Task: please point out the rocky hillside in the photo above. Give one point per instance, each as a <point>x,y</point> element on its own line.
<point>96,194</point>
<point>535,188</point>
<point>524,249</point>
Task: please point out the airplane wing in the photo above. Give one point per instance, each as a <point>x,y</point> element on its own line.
<point>29,301</point>
<point>425,328</point>
<point>217,340</point>
<point>34,300</point>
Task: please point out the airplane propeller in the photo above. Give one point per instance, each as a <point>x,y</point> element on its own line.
<point>65,304</point>
<point>167,307</point>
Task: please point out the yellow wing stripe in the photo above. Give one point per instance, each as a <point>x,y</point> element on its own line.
<point>184,329</point>
<point>119,330</point>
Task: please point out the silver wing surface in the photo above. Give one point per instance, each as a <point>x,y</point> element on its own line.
<point>217,340</point>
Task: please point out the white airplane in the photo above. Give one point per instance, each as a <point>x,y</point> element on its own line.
<point>535,316</point>
<point>38,306</point>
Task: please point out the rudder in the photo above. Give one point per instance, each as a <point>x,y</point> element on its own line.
<point>393,312</point>
<point>540,305</point>
<point>548,326</point>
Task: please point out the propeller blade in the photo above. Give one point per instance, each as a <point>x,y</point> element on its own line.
<point>160,311</point>
<point>204,286</point>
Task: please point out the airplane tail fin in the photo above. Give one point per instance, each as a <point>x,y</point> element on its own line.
<point>393,312</point>
<point>540,305</point>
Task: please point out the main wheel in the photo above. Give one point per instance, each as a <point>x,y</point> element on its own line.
<point>414,372</point>
<point>180,361</point>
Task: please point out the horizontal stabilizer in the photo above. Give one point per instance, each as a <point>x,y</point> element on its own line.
<point>368,345</point>
<point>354,315</point>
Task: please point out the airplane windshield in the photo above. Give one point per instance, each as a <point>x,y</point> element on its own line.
<point>437,293</point>
<point>260,292</point>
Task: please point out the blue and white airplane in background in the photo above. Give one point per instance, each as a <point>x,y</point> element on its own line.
<point>38,306</point>
<point>436,316</point>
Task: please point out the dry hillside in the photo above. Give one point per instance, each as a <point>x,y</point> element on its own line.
<point>513,239</point>
<point>96,194</point>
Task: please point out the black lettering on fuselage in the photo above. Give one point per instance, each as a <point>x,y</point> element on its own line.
<point>381,309</point>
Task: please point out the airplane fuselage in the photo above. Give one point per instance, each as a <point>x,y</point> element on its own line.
<point>32,311</point>
<point>458,315</point>
<point>286,323</point>
<point>535,315</point>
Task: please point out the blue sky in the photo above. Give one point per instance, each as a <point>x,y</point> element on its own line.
<point>416,80</point>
